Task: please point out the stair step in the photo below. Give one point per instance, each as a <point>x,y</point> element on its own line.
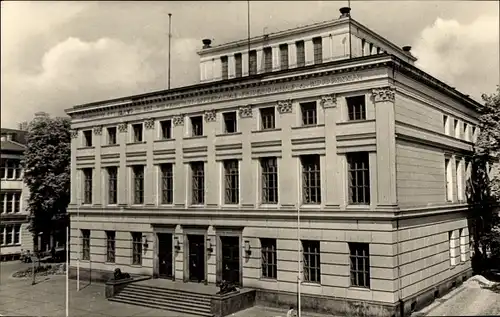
<point>167,300</point>
<point>169,290</point>
<point>152,305</point>
<point>166,291</point>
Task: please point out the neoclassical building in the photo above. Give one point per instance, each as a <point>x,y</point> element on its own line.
<point>331,122</point>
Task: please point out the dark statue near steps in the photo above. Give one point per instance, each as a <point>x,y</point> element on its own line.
<point>118,275</point>
<point>226,288</point>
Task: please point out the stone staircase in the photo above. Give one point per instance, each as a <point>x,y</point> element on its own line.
<point>175,300</point>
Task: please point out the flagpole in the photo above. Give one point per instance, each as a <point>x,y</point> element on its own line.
<point>78,201</point>
<point>248,33</point>
<point>299,256</point>
<point>169,46</point>
<point>67,270</point>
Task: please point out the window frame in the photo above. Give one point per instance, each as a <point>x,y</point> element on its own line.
<point>356,111</point>
<point>88,179</point>
<point>166,129</point>
<point>268,59</point>
<point>196,126</point>
<point>85,244</point>
<point>311,179</point>
<point>353,160</point>
<point>269,260</point>
<point>224,67</point>
<point>167,183</point>
<point>138,172</point>
<point>136,248</point>
<point>87,138</point>
<point>267,118</point>
<point>311,249</point>
<point>138,132</point>
<point>112,185</point>
<point>112,136</point>
<point>284,62</point>
<point>16,201</point>
<point>197,183</point>
<point>269,177</point>
<point>318,50</point>
<point>226,116</point>
<point>110,246</point>
<point>309,113</point>
<point>238,65</point>
<point>359,255</point>
<point>301,53</point>
<point>252,62</point>
<point>231,182</point>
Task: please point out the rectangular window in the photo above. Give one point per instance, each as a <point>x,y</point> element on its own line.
<point>359,178</point>
<point>112,184</point>
<point>10,168</point>
<point>268,59</point>
<point>231,184</point>
<point>312,261</point>
<point>85,244</point>
<point>463,245</point>
<point>111,135</point>
<point>252,62</point>
<point>318,50</point>
<point>136,248</point>
<point>17,201</point>
<point>198,185</point>
<point>197,126</point>
<point>456,128</point>
<point>459,180</point>
<point>3,197</point>
<point>3,168</point>
<point>224,62</point>
<point>137,129</point>
<point>166,129</point>
<point>301,53</point>
<point>230,122</point>
<point>311,179</point>
<point>8,196</point>
<point>17,234</point>
<point>267,118</point>
<point>356,108</point>
<point>18,169</point>
<point>268,258</point>
<point>87,185</point>
<point>363,45</point>
<point>360,264</point>
<point>445,124</point>
<point>87,136</point>
<point>167,184</point>
<point>451,243</point>
<point>2,230</point>
<point>110,246</point>
<point>238,69</point>
<point>8,236</point>
<point>309,113</point>
<point>138,172</point>
<point>284,56</point>
<point>448,180</point>
<point>269,166</point>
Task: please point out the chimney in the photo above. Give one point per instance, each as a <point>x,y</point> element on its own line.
<point>23,126</point>
<point>345,12</point>
<point>407,49</point>
<point>206,43</point>
<point>41,114</point>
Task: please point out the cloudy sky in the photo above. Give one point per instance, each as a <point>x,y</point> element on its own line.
<point>58,54</point>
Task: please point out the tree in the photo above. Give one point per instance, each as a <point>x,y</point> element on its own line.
<point>483,186</point>
<point>46,164</point>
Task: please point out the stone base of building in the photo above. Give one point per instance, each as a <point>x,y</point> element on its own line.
<point>324,304</point>
<point>10,257</point>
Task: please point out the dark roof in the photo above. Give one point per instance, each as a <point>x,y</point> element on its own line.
<point>19,136</point>
<point>12,146</point>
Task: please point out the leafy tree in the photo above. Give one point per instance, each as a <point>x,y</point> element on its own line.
<point>47,173</point>
<point>484,186</point>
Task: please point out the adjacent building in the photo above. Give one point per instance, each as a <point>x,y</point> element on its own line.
<point>328,127</point>
<point>14,236</point>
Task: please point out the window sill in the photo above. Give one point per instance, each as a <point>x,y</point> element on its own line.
<point>110,145</point>
<point>358,206</point>
<point>313,284</point>
<point>165,140</point>
<point>137,205</point>
<point>310,206</point>
<point>11,245</point>
<point>197,206</point>
<point>195,137</point>
<point>354,121</point>
<point>273,206</point>
<point>170,205</point>
<point>86,148</point>
<point>235,205</point>
<point>136,265</point>
<point>266,130</point>
<point>268,279</point>
<point>308,126</point>
<point>138,142</point>
<point>108,262</point>
<point>228,133</point>
<point>12,179</point>
<point>359,288</point>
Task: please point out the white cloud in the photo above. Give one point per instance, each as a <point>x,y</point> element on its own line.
<point>462,55</point>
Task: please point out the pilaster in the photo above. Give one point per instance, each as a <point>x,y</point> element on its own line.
<point>287,165</point>
<point>384,99</point>
<point>97,178</point>
<point>149,173</point>
<point>122,193</point>
<point>244,63</point>
<point>260,61</point>
<point>211,168</point>
<point>292,55</point>
<point>231,67</point>
<point>247,168</point>
<point>326,46</point>
<point>179,177</point>
<point>332,180</point>
<point>309,51</point>
<point>276,57</point>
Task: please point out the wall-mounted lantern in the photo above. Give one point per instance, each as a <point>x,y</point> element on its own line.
<point>247,247</point>
<point>209,245</point>
<point>177,244</point>
<point>145,241</point>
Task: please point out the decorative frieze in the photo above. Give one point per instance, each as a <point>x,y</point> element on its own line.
<point>122,127</point>
<point>383,94</point>
<point>245,111</point>
<point>284,106</point>
<point>98,130</point>
<point>74,134</point>
<point>178,120</point>
<point>328,101</point>
<point>210,116</point>
<point>149,124</point>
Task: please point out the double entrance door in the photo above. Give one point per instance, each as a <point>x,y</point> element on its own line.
<point>165,256</point>
<point>230,247</point>
<point>196,257</point>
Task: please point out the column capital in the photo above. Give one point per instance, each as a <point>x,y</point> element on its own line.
<point>210,116</point>
<point>284,106</point>
<point>245,111</point>
<point>74,134</point>
<point>178,120</point>
<point>122,127</point>
<point>328,101</point>
<point>98,130</point>
<point>149,124</point>
<point>383,94</point>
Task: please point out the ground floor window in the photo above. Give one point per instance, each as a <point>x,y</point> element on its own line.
<point>110,246</point>
<point>10,234</point>
<point>360,264</point>
<point>85,244</point>
<point>136,248</point>
<point>269,261</point>
<point>312,261</point>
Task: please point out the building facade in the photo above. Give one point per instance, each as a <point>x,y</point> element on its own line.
<point>329,128</point>
<point>14,235</point>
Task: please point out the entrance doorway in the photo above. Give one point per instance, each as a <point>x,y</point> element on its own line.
<point>196,244</point>
<point>230,259</point>
<point>165,269</point>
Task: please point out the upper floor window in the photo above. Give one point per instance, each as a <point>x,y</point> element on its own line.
<point>112,184</point>
<point>138,176</point>
<point>167,183</point>
<point>197,126</point>
<point>198,183</point>
<point>137,130</point>
<point>312,261</point>
<point>252,58</point>
<point>166,129</point>
<point>238,68</point>
<point>268,59</point>
<point>301,53</point>
<point>363,45</point>
<point>224,62</point>
<point>318,50</point>
<point>267,118</point>
<point>111,135</point>
<point>448,180</point>
<point>371,49</point>
<point>284,56</point>
<point>269,168</point>
<point>87,185</point>
<point>10,169</point>
<point>456,128</point>
<point>230,122</point>
<point>356,108</point>
<point>360,264</point>
<point>359,178</point>
<point>87,138</point>
<point>445,124</point>
<point>311,179</point>
<point>231,184</point>
<point>11,201</point>
<point>309,113</point>
<point>466,132</point>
